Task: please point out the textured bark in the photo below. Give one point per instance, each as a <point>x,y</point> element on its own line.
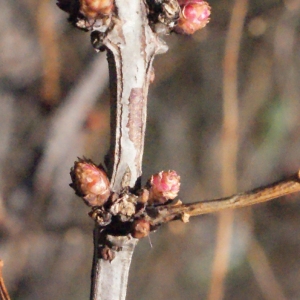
<point>179,211</point>
<point>109,279</point>
<point>131,47</point>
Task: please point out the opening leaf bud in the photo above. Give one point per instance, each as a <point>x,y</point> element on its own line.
<point>140,228</point>
<point>93,9</point>
<point>194,16</point>
<point>90,182</point>
<point>164,186</point>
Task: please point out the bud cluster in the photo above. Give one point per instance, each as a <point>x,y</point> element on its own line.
<point>161,188</point>
<point>92,184</point>
<point>165,16</point>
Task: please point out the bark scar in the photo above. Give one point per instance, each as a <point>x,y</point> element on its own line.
<point>136,119</point>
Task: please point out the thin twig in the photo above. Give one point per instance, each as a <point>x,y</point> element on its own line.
<point>3,291</point>
<point>278,189</point>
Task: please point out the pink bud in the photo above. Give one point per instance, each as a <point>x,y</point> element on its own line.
<point>194,16</point>
<point>96,8</point>
<point>90,182</point>
<point>164,186</point>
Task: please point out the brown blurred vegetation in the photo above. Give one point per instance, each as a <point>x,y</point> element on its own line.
<point>55,106</point>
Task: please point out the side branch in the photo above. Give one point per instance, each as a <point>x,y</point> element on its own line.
<point>278,189</point>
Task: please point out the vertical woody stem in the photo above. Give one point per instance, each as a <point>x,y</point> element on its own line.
<point>131,47</point>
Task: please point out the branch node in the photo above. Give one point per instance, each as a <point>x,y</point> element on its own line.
<point>185,217</point>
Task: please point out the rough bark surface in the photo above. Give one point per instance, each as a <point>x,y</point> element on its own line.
<point>131,46</point>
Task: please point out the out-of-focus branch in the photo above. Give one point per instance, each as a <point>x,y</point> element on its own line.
<point>278,189</point>
<point>50,90</point>
<point>67,121</point>
<point>7,111</point>
<point>3,291</point>
<point>229,146</point>
<point>263,272</point>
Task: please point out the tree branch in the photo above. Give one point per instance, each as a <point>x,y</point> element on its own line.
<point>122,28</point>
<point>109,279</point>
<point>131,47</point>
<point>278,189</point>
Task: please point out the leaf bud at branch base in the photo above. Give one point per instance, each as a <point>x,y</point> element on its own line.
<point>194,16</point>
<point>92,9</point>
<point>90,182</point>
<point>164,186</point>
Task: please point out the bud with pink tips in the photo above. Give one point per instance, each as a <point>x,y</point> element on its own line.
<point>90,182</point>
<point>164,186</point>
<point>194,16</point>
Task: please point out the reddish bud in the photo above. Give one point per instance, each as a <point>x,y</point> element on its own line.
<point>92,9</point>
<point>90,182</point>
<point>164,186</point>
<point>140,228</point>
<point>194,16</point>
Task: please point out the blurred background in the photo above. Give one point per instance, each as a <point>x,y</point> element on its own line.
<point>223,112</point>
